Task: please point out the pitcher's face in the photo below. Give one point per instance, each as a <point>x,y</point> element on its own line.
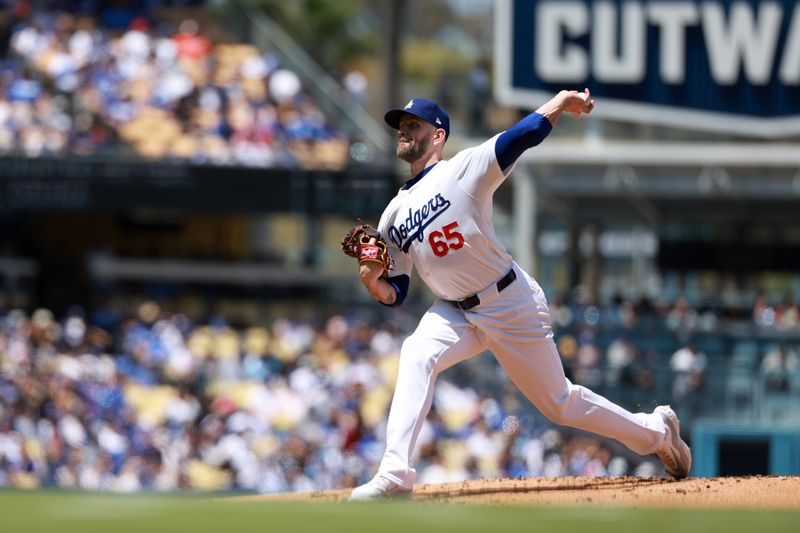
<point>413,138</point>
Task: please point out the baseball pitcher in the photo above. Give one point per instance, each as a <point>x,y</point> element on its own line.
<point>440,223</point>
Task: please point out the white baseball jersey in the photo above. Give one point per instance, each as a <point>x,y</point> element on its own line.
<point>443,225</point>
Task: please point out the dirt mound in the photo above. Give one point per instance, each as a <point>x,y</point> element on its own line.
<point>755,492</point>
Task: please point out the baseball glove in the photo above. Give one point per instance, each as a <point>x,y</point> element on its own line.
<point>357,244</point>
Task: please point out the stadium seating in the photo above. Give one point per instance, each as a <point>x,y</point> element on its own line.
<point>155,401</point>
<point>71,86</point>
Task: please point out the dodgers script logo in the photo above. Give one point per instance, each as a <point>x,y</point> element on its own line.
<point>417,221</point>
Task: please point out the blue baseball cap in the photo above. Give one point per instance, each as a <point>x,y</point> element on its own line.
<point>427,110</point>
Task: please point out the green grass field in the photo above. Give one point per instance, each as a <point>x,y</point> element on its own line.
<point>61,512</point>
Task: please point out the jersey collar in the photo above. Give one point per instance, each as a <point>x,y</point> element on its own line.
<point>413,181</point>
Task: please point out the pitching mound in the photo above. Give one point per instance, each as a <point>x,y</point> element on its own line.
<point>755,492</point>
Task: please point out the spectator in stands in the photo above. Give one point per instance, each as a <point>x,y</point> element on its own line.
<point>620,358</point>
<point>588,365</point>
<point>357,86</point>
<point>191,45</point>
<point>682,318</point>
<point>763,313</point>
<point>621,313</point>
<point>778,366</point>
<point>787,316</point>
<point>560,312</point>
<point>688,365</point>
<point>643,374</point>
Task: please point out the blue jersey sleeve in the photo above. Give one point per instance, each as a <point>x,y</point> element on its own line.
<point>525,134</point>
<point>400,284</point>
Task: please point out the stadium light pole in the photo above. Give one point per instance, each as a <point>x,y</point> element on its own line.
<point>394,12</point>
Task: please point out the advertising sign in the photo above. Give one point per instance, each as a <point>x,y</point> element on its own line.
<point>717,65</point>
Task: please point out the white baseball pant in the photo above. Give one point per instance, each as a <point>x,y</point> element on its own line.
<point>515,326</point>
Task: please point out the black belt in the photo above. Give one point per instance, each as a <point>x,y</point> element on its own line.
<point>468,303</point>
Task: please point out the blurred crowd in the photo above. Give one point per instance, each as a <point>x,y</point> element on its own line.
<point>678,315</point>
<point>700,359</point>
<point>157,401</point>
<point>161,403</point>
<point>68,85</point>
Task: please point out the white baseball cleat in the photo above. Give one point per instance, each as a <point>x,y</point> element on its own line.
<point>675,454</point>
<point>379,488</point>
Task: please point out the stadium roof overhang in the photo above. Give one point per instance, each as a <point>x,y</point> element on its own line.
<point>653,180</point>
<point>650,183</point>
<point>666,154</point>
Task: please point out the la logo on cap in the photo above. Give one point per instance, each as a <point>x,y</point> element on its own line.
<point>409,105</point>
